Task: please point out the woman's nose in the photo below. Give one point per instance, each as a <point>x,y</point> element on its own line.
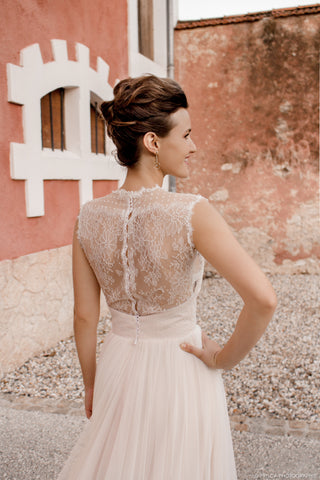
<point>193,147</point>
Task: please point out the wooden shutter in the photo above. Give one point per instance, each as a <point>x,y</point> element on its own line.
<point>145,21</point>
<point>98,131</point>
<point>52,120</point>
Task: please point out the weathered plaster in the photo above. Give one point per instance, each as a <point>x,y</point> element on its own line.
<point>253,90</point>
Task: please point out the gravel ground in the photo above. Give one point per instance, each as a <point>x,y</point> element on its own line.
<point>279,378</point>
<point>35,445</point>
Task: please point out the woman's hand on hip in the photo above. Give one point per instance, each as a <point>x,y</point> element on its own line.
<point>208,353</point>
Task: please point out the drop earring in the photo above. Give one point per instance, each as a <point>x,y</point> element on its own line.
<point>156,161</point>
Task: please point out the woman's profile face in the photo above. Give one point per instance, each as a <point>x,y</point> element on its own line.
<point>176,148</point>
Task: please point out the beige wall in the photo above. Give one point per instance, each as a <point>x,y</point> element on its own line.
<point>36,304</point>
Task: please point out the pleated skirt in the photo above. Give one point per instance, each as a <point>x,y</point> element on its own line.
<point>159,413</point>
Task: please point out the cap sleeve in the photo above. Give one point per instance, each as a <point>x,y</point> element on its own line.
<point>82,225</point>
<point>195,199</point>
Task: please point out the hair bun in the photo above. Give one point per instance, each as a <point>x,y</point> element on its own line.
<point>140,105</point>
<point>107,110</point>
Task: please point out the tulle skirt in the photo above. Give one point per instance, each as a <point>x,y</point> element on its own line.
<point>159,413</point>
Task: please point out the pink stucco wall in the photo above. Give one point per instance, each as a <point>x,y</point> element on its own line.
<point>253,89</point>
<point>101,26</point>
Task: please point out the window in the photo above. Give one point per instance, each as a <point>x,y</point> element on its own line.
<point>52,120</point>
<point>56,127</point>
<point>98,130</point>
<point>148,36</point>
<point>145,22</point>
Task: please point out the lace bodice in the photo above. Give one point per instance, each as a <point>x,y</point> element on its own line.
<point>139,245</point>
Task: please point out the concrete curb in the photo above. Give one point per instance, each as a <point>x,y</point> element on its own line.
<point>241,423</point>
<point>275,426</point>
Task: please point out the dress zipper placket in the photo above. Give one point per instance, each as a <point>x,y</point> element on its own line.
<point>138,326</point>
<point>126,266</point>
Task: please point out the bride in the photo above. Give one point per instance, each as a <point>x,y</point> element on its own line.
<point>156,400</point>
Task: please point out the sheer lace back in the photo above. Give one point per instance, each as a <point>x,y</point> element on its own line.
<point>139,245</point>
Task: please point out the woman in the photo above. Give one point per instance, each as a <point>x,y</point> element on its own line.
<point>156,401</point>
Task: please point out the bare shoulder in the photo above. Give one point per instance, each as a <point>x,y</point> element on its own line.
<point>214,239</point>
<point>205,216</point>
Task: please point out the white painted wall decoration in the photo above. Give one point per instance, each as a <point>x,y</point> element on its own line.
<point>139,64</point>
<point>27,84</point>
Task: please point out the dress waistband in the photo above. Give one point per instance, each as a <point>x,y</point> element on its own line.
<point>174,322</point>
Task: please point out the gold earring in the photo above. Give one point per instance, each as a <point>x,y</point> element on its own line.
<point>156,161</point>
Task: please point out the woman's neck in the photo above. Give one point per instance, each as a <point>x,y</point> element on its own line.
<point>143,175</point>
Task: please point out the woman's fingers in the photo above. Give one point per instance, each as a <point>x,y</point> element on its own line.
<point>88,413</point>
<point>206,353</point>
<point>88,409</point>
<point>187,347</point>
<point>88,400</point>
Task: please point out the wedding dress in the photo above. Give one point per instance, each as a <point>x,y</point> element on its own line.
<point>159,413</point>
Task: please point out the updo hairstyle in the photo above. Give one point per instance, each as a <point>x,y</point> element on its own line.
<point>140,105</point>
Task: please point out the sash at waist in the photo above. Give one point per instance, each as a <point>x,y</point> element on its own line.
<point>174,322</point>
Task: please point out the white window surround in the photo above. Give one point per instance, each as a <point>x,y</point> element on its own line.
<point>139,64</point>
<point>26,85</point>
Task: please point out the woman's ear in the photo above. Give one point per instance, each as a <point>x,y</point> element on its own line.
<point>150,141</point>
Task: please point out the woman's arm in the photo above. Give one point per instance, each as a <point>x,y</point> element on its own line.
<point>214,240</point>
<point>86,317</point>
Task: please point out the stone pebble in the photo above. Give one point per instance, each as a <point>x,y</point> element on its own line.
<point>280,378</point>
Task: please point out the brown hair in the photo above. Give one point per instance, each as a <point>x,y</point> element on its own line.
<point>141,105</point>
